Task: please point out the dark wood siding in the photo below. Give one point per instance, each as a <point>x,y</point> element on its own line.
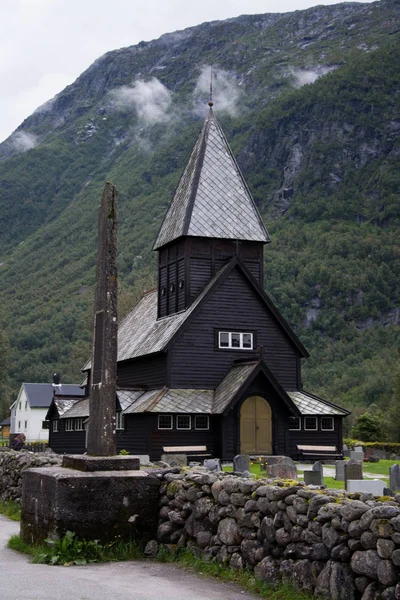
<point>150,372</point>
<point>174,437</point>
<point>134,438</point>
<point>316,438</point>
<point>66,442</point>
<point>195,360</point>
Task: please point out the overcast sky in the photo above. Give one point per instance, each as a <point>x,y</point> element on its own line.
<point>46,44</point>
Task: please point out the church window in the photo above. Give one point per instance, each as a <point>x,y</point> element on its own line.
<point>55,426</point>
<point>295,423</point>
<point>235,340</point>
<point>327,424</point>
<point>79,424</point>
<point>69,425</point>
<point>164,421</point>
<point>201,422</point>
<point>119,420</point>
<point>310,423</point>
<point>183,422</point>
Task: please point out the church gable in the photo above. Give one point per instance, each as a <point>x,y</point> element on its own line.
<point>231,324</point>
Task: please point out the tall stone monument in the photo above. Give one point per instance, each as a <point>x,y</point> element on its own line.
<point>101,432</point>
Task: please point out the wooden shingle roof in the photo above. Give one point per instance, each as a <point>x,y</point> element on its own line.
<point>212,199</point>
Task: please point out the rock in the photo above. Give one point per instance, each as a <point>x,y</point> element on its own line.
<point>368,540</point>
<point>316,503</point>
<point>361,584</point>
<point>202,507</point>
<point>236,561</point>
<point>387,573</point>
<point>252,551</point>
<point>335,582</point>
<point>151,548</point>
<point>330,536</point>
<point>303,575</point>
<point>228,532</point>
<point>282,537</point>
<point>365,563</point>
<point>203,538</point>
<point>267,570</point>
<point>371,592</point>
<point>381,528</point>
<point>353,510</point>
<point>385,548</point>
<point>165,530</point>
<point>389,593</point>
<point>396,557</point>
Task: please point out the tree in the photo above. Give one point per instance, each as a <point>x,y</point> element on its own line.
<point>370,427</point>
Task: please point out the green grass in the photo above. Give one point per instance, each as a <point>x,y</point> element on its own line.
<point>243,578</point>
<point>12,510</point>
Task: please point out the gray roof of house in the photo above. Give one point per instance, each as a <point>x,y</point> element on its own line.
<point>311,405</point>
<point>7,421</point>
<point>231,384</point>
<point>79,408</point>
<point>64,404</point>
<point>40,395</point>
<point>212,199</point>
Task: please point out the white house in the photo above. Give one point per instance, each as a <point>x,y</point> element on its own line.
<point>28,412</point>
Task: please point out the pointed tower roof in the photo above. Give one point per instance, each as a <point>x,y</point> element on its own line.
<point>212,199</point>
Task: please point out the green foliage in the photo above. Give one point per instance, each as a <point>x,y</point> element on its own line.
<point>123,452</point>
<point>12,510</point>
<point>369,427</point>
<point>70,550</point>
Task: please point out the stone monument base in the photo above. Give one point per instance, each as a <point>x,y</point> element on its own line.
<point>95,505</point>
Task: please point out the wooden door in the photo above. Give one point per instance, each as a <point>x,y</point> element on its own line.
<point>255,426</point>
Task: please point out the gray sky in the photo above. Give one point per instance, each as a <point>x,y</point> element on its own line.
<point>46,44</point>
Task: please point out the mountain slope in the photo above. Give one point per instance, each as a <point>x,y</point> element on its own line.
<point>322,161</point>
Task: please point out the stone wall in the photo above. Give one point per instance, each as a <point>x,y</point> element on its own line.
<point>335,544</point>
<point>13,464</point>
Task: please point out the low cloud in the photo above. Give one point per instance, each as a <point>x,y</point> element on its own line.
<point>305,76</point>
<point>150,99</point>
<point>23,141</point>
<point>226,91</point>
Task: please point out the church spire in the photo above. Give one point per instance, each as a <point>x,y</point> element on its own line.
<point>212,199</point>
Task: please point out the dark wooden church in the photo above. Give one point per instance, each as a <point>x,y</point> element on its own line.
<point>207,360</point>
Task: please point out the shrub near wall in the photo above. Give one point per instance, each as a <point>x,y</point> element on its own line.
<point>12,466</point>
<point>337,545</point>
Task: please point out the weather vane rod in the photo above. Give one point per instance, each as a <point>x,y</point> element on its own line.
<point>210,103</point>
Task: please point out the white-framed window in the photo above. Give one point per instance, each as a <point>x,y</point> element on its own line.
<point>310,424</point>
<point>19,425</point>
<point>45,424</point>
<point>26,404</point>
<point>327,424</point>
<point>25,424</point>
<point>20,406</point>
<point>79,424</point>
<point>235,340</point>
<point>69,425</point>
<point>183,422</point>
<point>119,420</point>
<point>165,422</point>
<point>201,422</point>
<point>55,426</point>
<point>294,424</point>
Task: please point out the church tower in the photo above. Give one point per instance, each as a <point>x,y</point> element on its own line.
<point>212,217</point>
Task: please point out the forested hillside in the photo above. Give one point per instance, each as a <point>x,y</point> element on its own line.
<point>310,104</point>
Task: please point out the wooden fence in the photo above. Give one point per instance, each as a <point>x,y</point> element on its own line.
<point>31,446</point>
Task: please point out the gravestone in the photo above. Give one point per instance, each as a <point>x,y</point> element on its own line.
<point>357,453</point>
<point>318,466</point>
<point>175,460</point>
<point>366,486</point>
<point>313,478</point>
<point>346,451</point>
<point>284,469</point>
<point>352,470</point>
<point>394,478</point>
<point>213,464</point>
<point>339,472</point>
<point>241,463</point>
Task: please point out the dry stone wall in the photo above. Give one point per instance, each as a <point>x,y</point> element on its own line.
<point>12,466</point>
<point>337,545</point>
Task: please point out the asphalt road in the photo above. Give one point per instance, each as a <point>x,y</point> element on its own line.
<point>141,580</point>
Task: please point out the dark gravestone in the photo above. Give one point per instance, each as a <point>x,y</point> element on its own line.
<point>318,466</point>
<point>394,478</point>
<point>284,469</point>
<point>101,429</point>
<point>346,452</point>
<point>339,473</point>
<point>313,478</point>
<point>213,464</point>
<point>241,463</point>
<point>353,469</point>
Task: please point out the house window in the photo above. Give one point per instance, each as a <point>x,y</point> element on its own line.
<point>327,424</point>
<point>201,422</point>
<point>26,424</point>
<point>20,405</point>
<point>19,425</point>
<point>183,422</point>
<point>294,424</point>
<point>26,405</point>
<point>45,425</point>
<point>235,340</point>
<point>164,421</point>
<point>69,425</point>
<point>55,426</point>
<point>119,420</point>
<point>310,423</point>
<point>79,425</point>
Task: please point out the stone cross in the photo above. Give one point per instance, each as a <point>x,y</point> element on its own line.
<point>102,404</point>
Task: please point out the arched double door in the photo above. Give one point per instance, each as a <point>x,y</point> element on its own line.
<point>255,426</point>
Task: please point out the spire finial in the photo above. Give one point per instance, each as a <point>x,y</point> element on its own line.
<point>210,102</point>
